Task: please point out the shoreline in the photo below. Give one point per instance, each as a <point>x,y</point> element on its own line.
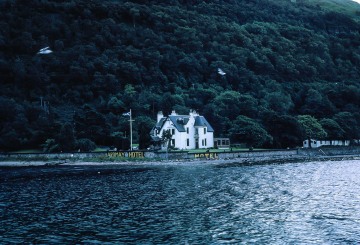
<point>248,161</point>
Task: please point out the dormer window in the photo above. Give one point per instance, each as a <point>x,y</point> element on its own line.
<point>204,130</point>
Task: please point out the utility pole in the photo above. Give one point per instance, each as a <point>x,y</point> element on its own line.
<point>131,120</point>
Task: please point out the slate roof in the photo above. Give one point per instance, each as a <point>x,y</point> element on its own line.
<point>160,123</point>
<point>200,121</point>
<point>179,122</point>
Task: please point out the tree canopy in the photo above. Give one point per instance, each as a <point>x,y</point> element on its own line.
<point>282,59</point>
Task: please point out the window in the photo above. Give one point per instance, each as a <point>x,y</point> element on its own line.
<point>204,130</point>
<point>173,131</point>
<point>187,130</point>
<point>173,142</point>
<point>187,142</point>
<point>205,142</point>
<point>196,131</point>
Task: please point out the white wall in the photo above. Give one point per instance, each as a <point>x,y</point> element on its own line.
<point>318,143</point>
<point>207,138</point>
<point>181,137</point>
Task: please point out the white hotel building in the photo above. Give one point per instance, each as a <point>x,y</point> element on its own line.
<point>188,131</point>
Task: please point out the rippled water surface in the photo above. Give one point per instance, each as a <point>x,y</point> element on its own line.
<point>295,203</point>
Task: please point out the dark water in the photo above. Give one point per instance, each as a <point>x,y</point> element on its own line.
<point>297,203</point>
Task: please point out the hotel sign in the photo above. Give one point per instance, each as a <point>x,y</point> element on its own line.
<point>209,155</point>
<point>130,154</point>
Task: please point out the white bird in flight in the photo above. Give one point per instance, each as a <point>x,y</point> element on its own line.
<point>46,50</point>
<point>221,72</point>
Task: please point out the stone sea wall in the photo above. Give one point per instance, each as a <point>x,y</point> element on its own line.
<point>184,155</point>
<point>329,151</point>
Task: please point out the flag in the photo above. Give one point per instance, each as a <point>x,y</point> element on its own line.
<point>127,114</point>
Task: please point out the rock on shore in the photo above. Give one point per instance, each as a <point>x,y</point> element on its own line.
<point>241,161</point>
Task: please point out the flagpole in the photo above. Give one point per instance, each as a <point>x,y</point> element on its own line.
<point>131,137</point>
<point>131,131</point>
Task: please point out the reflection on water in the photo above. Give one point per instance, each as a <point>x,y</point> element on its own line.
<point>299,203</point>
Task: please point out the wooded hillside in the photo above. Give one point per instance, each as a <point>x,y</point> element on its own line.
<point>287,63</point>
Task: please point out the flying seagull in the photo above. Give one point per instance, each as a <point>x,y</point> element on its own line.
<point>221,72</point>
<point>46,50</point>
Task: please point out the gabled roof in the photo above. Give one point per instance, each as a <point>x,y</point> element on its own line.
<point>179,121</point>
<point>200,121</point>
<point>160,123</point>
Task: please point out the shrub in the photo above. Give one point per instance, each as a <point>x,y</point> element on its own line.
<point>85,145</point>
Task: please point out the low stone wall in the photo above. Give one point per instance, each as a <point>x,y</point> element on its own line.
<point>252,154</point>
<point>329,151</point>
<point>105,154</point>
<point>184,155</point>
<point>54,156</point>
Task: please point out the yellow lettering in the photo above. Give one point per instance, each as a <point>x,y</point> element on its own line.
<point>116,154</point>
<point>136,154</point>
<point>212,155</point>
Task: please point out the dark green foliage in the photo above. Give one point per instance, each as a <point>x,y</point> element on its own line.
<point>144,125</point>
<point>50,145</point>
<point>166,138</point>
<point>349,123</point>
<point>66,138</point>
<point>285,130</point>
<point>281,59</point>
<point>85,145</point>
<point>311,127</point>
<point>249,131</point>
<point>332,128</point>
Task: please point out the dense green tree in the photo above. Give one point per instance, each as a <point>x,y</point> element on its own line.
<point>50,145</point>
<point>348,123</point>
<point>332,129</point>
<point>169,101</point>
<point>249,131</point>
<point>115,105</point>
<point>285,130</point>
<point>66,138</point>
<point>231,103</point>
<point>85,145</point>
<point>166,138</point>
<point>144,126</point>
<point>92,125</point>
<point>280,57</point>
<point>311,127</point>
<point>279,102</point>
<point>317,105</point>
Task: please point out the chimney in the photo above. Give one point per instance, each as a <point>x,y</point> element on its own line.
<point>159,116</point>
<point>193,113</point>
<point>173,113</point>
